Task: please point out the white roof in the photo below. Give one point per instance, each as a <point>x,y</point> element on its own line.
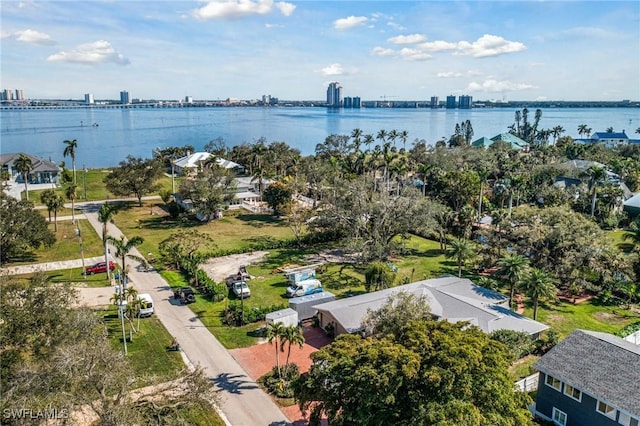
<point>195,159</point>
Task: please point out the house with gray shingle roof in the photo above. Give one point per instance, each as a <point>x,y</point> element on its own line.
<point>450,298</point>
<point>44,171</point>
<point>590,378</point>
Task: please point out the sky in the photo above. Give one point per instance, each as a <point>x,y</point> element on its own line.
<point>292,50</point>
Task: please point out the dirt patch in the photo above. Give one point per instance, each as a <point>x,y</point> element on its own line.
<point>333,256</point>
<point>220,268</point>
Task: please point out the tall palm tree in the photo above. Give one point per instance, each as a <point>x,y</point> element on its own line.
<point>71,193</point>
<point>46,197</point>
<point>582,129</point>
<point>123,247</point>
<point>633,233</point>
<point>70,151</point>
<point>462,250</point>
<point>24,165</point>
<point>105,215</point>
<point>513,268</point>
<point>538,284</point>
<point>291,335</point>
<point>404,135</point>
<point>57,203</point>
<point>556,132</point>
<point>596,175</point>
<point>274,334</point>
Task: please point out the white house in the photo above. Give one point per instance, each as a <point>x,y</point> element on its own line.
<point>197,159</point>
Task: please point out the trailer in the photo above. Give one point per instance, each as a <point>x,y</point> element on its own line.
<point>304,305</point>
<point>287,317</point>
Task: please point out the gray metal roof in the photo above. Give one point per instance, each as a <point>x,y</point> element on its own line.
<point>450,298</point>
<point>39,165</point>
<point>599,364</point>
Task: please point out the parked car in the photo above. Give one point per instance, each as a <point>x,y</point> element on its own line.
<point>303,288</point>
<point>100,268</point>
<point>241,290</point>
<point>146,305</point>
<point>186,295</point>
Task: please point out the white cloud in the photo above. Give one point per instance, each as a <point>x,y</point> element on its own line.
<point>492,85</point>
<point>333,69</point>
<point>414,54</point>
<point>396,26</point>
<point>437,46</point>
<point>35,37</point>
<point>349,22</point>
<point>381,51</point>
<point>449,74</point>
<point>97,52</point>
<point>489,45</point>
<point>407,39</point>
<point>239,8</point>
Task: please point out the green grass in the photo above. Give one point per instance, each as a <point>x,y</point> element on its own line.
<point>617,237</point>
<point>565,317</point>
<point>147,353</point>
<point>67,245</point>
<point>523,367</point>
<point>73,277</point>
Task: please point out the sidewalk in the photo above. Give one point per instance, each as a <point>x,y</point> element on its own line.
<point>50,266</point>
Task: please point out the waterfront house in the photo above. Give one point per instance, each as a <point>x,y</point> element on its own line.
<point>450,298</point>
<point>43,171</point>
<point>590,378</point>
<point>194,161</point>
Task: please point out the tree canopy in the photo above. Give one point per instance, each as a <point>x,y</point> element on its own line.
<point>134,176</point>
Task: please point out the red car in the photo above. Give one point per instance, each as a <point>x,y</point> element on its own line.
<point>100,267</point>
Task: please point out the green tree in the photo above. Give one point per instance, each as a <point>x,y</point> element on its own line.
<point>513,268</point>
<point>390,319</point>
<point>278,196</point>
<point>70,151</point>
<point>537,285</point>
<point>378,276</point>
<point>24,164</point>
<point>72,194</point>
<point>596,176</point>
<point>291,335</point>
<point>105,215</point>
<point>57,203</point>
<point>123,247</point>
<point>275,332</point>
<point>462,250</point>
<point>181,247</point>
<point>134,176</point>
<point>519,343</point>
<point>437,373</point>
<point>47,197</point>
<point>209,191</point>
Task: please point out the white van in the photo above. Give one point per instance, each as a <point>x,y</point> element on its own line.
<point>146,305</point>
<point>303,288</point>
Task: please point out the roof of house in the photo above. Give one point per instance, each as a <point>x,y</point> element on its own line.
<point>611,135</point>
<point>195,159</point>
<point>482,142</point>
<point>599,364</point>
<point>39,165</point>
<point>582,165</point>
<point>511,139</point>
<point>451,298</point>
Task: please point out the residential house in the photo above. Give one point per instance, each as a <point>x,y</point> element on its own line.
<point>515,142</point>
<point>450,298</point>
<point>43,171</point>
<point>197,159</point>
<point>590,378</point>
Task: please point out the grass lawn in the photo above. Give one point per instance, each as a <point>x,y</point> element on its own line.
<point>235,230</point>
<point>523,367</point>
<point>67,245</point>
<point>73,277</point>
<point>617,237</point>
<point>564,317</point>
<point>147,353</point>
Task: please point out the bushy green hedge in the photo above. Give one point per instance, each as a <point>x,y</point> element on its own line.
<point>629,329</point>
<point>233,313</point>
<point>280,385</point>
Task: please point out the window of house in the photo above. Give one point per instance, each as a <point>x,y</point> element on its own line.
<point>627,420</point>
<point>572,392</point>
<point>559,417</point>
<point>553,382</point>
<point>606,409</point>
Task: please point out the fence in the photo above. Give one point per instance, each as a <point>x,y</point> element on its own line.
<point>634,338</point>
<point>529,383</point>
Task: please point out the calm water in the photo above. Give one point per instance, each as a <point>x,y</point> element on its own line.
<point>122,132</point>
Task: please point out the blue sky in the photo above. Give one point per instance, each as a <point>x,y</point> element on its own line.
<point>516,50</point>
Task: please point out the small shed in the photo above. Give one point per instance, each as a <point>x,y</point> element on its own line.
<point>287,317</point>
<point>304,305</point>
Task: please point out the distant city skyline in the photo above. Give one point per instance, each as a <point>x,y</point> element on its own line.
<point>537,50</point>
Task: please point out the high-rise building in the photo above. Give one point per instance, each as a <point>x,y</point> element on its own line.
<point>88,99</point>
<point>434,102</point>
<point>19,95</point>
<point>124,97</point>
<point>357,102</point>
<point>334,95</point>
<point>451,102</point>
<point>465,102</point>
<point>7,95</point>
<point>188,99</point>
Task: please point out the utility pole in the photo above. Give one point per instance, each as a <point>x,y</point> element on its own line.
<point>84,182</point>
<point>79,234</point>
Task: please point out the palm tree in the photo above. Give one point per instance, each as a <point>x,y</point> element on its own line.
<point>274,333</point>
<point>292,336</point>
<point>46,197</point>
<point>105,215</point>
<point>24,165</point>
<point>538,284</point>
<point>462,250</point>
<point>556,132</point>
<point>596,175</point>
<point>57,203</point>
<point>70,151</point>
<point>513,268</point>
<point>583,129</point>
<point>633,233</point>
<point>71,194</point>
<point>123,247</point>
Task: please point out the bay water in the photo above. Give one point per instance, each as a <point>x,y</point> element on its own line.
<point>106,136</point>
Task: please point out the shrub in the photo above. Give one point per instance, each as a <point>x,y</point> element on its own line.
<point>280,386</point>
<point>233,313</point>
<point>519,343</point>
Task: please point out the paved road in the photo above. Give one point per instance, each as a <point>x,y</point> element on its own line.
<point>243,403</point>
<point>51,266</point>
